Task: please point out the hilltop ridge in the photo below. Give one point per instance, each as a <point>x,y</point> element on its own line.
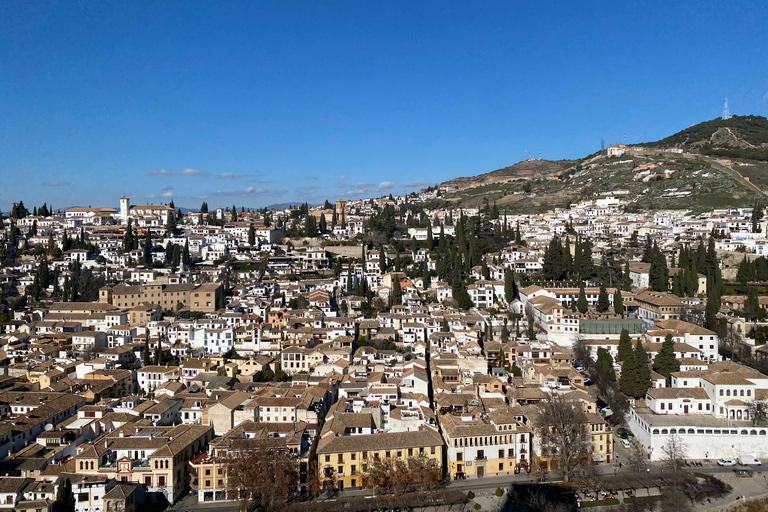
<point>714,164</point>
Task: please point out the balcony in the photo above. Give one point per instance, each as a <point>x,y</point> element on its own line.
<point>481,458</point>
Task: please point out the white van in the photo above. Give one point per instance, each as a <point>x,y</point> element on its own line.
<point>748,460</point>
<point>626,443</point>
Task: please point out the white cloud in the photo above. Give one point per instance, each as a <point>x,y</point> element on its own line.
<point>359,189</point>
<point>342,177</point>
<point>55,184</point>
<point>419,184</point>
<point>230,175</point>
<point>385,185</point>
<point>184,172</point>
<point>248,192</point>
<point>168,194</point>
<point>310,178</point>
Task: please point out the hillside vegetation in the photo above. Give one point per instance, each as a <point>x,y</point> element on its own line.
<point>739,137</point>
<point>655,179</point>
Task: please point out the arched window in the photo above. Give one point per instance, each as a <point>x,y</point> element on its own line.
<point>727,392</point>
<point>673,431</point>
<point>744,432</point>
<point>762,432</point>
<point>691,431</point>
<point>742,393</point>
<point>664,431</point>
<point>753,432</point>
<point>655,431</point>
<point>721,392</point>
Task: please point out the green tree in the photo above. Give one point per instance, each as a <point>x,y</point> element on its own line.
<point>665,363</point>
<point>509,286</point>
<point>618,303</point>
<point>605,361</point>
<point>147,257</point>
<point>185,258</point>
<point>581,302</point>
<point>643,370</point>
<point>65,500</point>
<point>464,300</point>
<point>233,214</point>
<point>251,235</point>
<point>602,300</point>
<point>629,383</point>
<point>626,281</point>
<point>625,347</point>
<point>658,275</point>
<point>397,292</point>
<point>552,267</point>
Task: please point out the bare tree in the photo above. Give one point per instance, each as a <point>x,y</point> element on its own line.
<point>263,476</point>
<point>415,474</point>
<point>564,434</point>
<point>637,458</point>
<point>758,412</point>
<point>676,501</point>
<point>674,450</point>
<point>539,501</point>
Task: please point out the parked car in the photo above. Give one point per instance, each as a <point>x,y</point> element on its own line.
<point>623,432</point>
<point>748,460</point>
<point>626,443</point>
<point>726,462</point>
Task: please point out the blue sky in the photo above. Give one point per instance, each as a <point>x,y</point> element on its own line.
<point>255,103</point>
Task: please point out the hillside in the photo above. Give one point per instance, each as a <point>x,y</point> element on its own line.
<point>648,176</point>
<point>738,137</point>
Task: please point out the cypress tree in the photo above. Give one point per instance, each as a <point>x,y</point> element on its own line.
<point>626,283</point>
<point>251,235</point>
<point>629,375</point>
<point>643,370</point>
<point>581,303</point>
<point>602,300</point>
<point>148,249</point>
<point>626,352</point>
<point>509,286</point>
<point>618,303</point>
<point>605,361</point>
<point>185,255</point>
<point>665,362</point>
<point>567,258</point>
<point>397,292</point>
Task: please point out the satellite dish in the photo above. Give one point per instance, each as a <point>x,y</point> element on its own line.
<point>49,427</point>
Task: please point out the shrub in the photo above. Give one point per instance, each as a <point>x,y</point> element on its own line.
<point>499,492</point>
<point>477,506</point>
<point>470,495</point>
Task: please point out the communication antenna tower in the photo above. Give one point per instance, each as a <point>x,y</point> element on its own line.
<point>726,112</point>
<point>602,144</point>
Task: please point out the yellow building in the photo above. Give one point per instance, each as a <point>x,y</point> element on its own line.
<point>344,461</point>
<point>483,442</point>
